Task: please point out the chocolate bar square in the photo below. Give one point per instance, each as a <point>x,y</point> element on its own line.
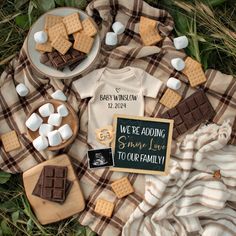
<point>59,183</point>
<point>190,112</point>
<point>52,184</point>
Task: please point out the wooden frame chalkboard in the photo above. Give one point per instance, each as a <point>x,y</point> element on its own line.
<point>142,144</point>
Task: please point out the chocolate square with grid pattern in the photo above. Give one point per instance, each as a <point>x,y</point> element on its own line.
<point>190,112</point>
<point>54,183</point>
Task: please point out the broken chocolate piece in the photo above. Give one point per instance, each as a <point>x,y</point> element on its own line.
<point>58,61</point>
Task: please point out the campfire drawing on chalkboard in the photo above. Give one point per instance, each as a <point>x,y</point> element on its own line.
<point>99,160</point>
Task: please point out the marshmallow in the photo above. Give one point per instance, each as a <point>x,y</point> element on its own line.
<point>44,129</point>
<point>181,42</point>
<point>59,95</point>
<point>111,39</point>
<point>40,143</point>
<point>178,63</point>
<point>65,131</point>
<point>22,90</point>
<point>54,119</point>
<point>34,122</point>
<point>173,83</point>
<point>46,110</point>
<point>54,138</point>
<point>118,27</point>
<point>40,37</point>
<point>62,110</point>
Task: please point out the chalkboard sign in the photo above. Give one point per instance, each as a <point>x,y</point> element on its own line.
<point>142,144</point>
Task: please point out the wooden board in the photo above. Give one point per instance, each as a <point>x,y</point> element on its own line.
<point>49,212</point>
<point>71,119</point>
<point>142,144</point>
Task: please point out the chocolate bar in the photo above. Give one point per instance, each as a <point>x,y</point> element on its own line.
<point>58,61</point>
<point>190,112</point>
<point>53,184</point>
<point>38,187</point>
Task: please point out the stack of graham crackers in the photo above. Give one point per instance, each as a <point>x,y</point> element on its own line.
<point>69,39</point>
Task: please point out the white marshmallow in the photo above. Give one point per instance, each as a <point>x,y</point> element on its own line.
<point>54,119</point>
<point>59,95</point>
<point>181,42</point>
<point>46,110</point>
<point>40,143</point>
<point>54,138</point>
<point>34,122</point>
<point>62,110</point>
<point>44,129</point>
<point>118,27</point>
<point>173,83</point>
<point>65,131</point>
<point>111,39</point>
<point>178,63</point>
<point>40,37</point>
<point>22,90</point>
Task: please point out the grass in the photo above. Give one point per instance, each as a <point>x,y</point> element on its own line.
<point>211,28</point>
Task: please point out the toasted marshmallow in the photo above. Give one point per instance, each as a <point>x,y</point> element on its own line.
<point>46,110</point>
<point>173,83</point>
<point>22,90</point>
<point>54,119</point>
<point>54,138</point>
<point>178,63</point>
<point>65,131</point>
<point>34,122</point>
<point>44,129</point>
<point>181,42</point>
<point>40,37</point>
<point>118,27</point>
<point>62,110</point>
<point>111,39</point>
<point>40,143</point>
<point>59,95</point>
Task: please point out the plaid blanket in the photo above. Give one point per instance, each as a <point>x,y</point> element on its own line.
<point>219,88</point>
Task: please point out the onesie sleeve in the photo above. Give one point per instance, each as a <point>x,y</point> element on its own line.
<point>86,85</point>
<point>150,85</point>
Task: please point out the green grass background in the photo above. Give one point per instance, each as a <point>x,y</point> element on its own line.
<point>210,26</point>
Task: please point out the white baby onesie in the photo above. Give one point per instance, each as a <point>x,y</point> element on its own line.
<point>114,91</point>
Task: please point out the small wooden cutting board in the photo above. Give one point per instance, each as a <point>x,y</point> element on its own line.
<point>47,211</point>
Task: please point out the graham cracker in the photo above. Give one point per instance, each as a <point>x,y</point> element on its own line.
<point>89,27</point>
<point>150,36</point>
<point>170,98</point>
<point>61,44</point>
<point>83,43</point>
<point>104,207</point>
<point>58,29</point>
<point>194,72</point>
<point>44,47</point>
<point>72,23</point>
<point>144,22</point>
<point>51,20</point>
<point>10,141</point>
<point>122,187</point>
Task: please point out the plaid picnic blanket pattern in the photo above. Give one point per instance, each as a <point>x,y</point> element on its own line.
<point>219,88</point>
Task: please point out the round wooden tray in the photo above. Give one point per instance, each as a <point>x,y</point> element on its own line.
<point>71,120</point>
